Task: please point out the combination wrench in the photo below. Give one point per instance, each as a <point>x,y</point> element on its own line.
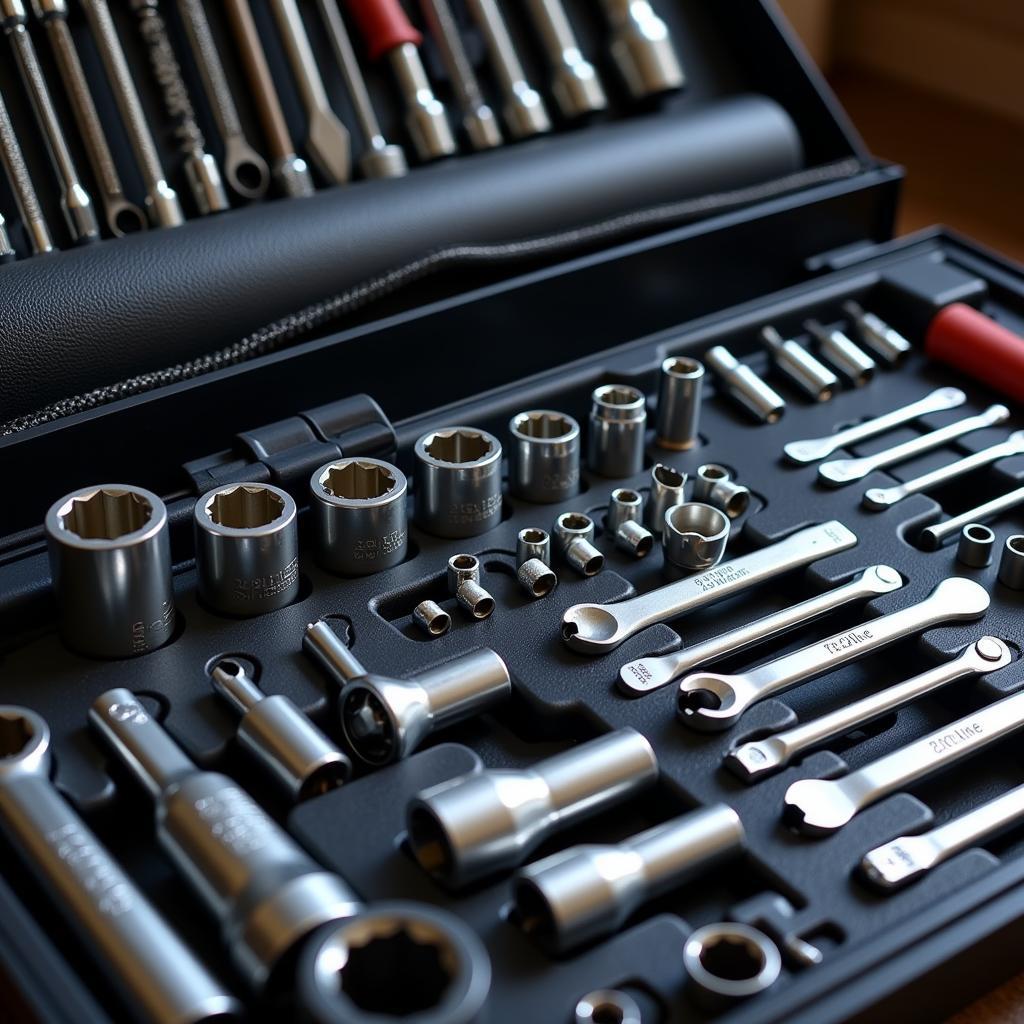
<point>74,200</point>
<point>710,702</point>
<point>600,628</point>
<point>816,448</point>
<point>840,472</point>
<point>822,806</point>
<point>933,537</point>
<point>29,210</point>
<point>753,760</point>
<point>647,674</point>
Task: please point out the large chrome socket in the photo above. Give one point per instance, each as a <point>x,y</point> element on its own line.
<point>695,536</point>
<point>474,825</point>
<point>618,422</point>
<point>679,399</point>
<point>458,482</point>
<point>544,460</point>
<point>110,559</point>
<point>359,516</point>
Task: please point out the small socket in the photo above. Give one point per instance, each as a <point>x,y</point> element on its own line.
<point>544,460</point>
<point>976,545</point>
<point>477,601</point>
<point>635,539</point>
<point>713,485</point>
<point>533,542</point>
<point>574,533</point>
<point>462,568</point>
<point>536,577</point>
<point>624,506</point>
<point>727,962</point>
<point>431,618</point>
<point>1011,564</point>
<point>744,386</point>
<point>618,421</point>
<point>666,491</point>
<point>679,397</point>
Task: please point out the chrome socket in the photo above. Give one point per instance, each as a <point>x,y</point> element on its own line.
<point>618,422</point>
<point>641,47</point>
<point>625,508</point>
<point>575,83</point>
<point>432,618</point>
<point>247,548</point>
<point>607,1004</point>
<point>544,460</point>
<point>977,542</point>
<point>807,372</point>
<point>359,516</point>
<point>533,542</point>
<point>458,482</point>
<point>574,535</point>
<point>886,342</point>
<point>727,962</point>
<point>110,560</point>
<point>484,822</point>
<point>744,386</point>
<point>850,360</point>
<point>679,397</point>
<point>1011,563</point>
<point>666,491</point>
<point>587,892</point>
<point>288,746</point>
<point>695,536</point>
<point>713,485</point>
<point>634,539</point>
<point>536,577</point>
<point>464,584</point>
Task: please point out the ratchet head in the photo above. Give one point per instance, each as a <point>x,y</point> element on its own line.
<point>24,744</point>
<point>895,864</point>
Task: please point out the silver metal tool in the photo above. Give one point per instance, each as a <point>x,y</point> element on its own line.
<point>600,628</point>
<point>666,492</point>
<point>1011,563</point>
<point>246,171</point>
<point>31,213</point>
<point>464,585</point>
<point>432,618</point>
<point>604,1004</point>
<point>975,546</point>
<point>933,537</point>
<point>7,252</point>
<point>586,892</point>
<point>247,548</point>
<point>201,168</point>
<point>75,201</point>
<point>710,702</point>
<point>265,892</point>
<point>575,83</point>
<point>713,485</point>
<point>158,977</point>
<point>161,200</point>
<point>533,543</point>
<point>488,821</point>
<point>840,472</point>
<point>380,159</point>
<point>680,388</point>
<point>122,216</point>
<point>879,498</point>
<point>695,536</point>
<point>744,386</point>
<point>820,807</point>
<point>289,169</point>
<point>299,758</point>
<point>896,863</point>
<point>641,47</point>
<point>847,357</point>
<point>618,423</point>
<point>622,520</point>
<point>327,139</point>
<point>478,119</point>
<point>817,448</point>
<point>727,962</point>
<point>886,342</point>
<point>544,458</point>
<point>110,559</point>
<point>647,674</point>
<point>359,515</point>
<point>753,760</point>
<point>522,106</point>
<point>807,372</point>
<point>458,482</point>
<point>536,577</point>
<point>574,536</point>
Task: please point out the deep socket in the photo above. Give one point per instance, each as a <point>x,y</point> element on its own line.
<point>808,373</point>
<point>641,47</point>
<point>574,80</point>
<point>679,397</point>
<point>666,492</point>
<point>886,342</point>
<point>544,458</point>
<point>975,546</point>
<point>618,422</point>
<point>744,386</point>
<point>850,360</point>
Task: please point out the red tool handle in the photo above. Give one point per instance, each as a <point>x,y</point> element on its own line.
<point>383,25</point>
<point>974,343</point>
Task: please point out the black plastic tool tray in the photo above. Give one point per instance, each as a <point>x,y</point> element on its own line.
<point>885,957</point>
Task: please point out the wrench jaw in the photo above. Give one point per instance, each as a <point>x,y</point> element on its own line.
<point>758,758</point>
<point>819,807</point>
<point>592,629</point>
<point>246,171</point>
<point>898,863</point>
<point>24,744</point>
<point>709,702</point>
<point>124,218</point>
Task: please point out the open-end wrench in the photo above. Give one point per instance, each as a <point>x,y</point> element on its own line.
<point>29,210</point>
<point>74,200</point>
<point>600,628</point>
<point>123,217</point>
<point>647,674</point>
<point>879,498</point>
<point>813,449</point>
<point>161,200</point>
<point>845,471</point>
<point>933,537</point>
<point>709,701</point>
<point>822,806</point>
<point>327,140</point>
<point>574,80</point>
<point>245,170</point>
<point>896,863</point>
<point>157,975</point>
<point>751,761</point>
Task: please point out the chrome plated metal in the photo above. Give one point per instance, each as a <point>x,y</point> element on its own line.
<point>680,391</point>
<point>886,342</point>
<point>933,537</point>
<point>807,372</point>
<point>536,578</point>
<point>33,220</point>
<point>975,546</point>
<point>533,543</point>
<point>727,962</point>
<point>713,485</point>
<point>425,119</point>
<point>744,386</point>
<point>604,1004</point>
<point>544,456</point>
<point>618,423</point>
<point>432,618</point>
<point>574,536</point>
<point>847,357</point>
<point>695,536</point>
<point>666,492</point>
<point>1011,562</point>
<point>641,47</point>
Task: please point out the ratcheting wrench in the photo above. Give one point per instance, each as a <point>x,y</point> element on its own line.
<point>817,448</point>
<point>647,674</point>
<point>710,702</point>
<point>820,806</point>
<point>600,628</point>
<point>751,761</point>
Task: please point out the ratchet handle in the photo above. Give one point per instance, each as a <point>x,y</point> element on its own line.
<point>384,26</point>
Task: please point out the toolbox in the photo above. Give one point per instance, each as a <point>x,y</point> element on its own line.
<point>397,330</point>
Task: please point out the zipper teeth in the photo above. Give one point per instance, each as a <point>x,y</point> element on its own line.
<point>297,325</point>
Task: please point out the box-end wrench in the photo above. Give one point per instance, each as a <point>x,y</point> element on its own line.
<point>896,863</point>
<point>751,761</point>
<point>574,83</point>
<point>155,973</point>
<point>123,217</point>
<point>161,200</point>
<point>933,537</point>
<point>879,498</point>
<point>840,472</point>
<point>822,806</point>
<point>709,701</point>
<point>647,674</point>
<point>815,448</point>
<point>74,200</point>
<point>245,170</point>
<point>600,628</point>
<point>29,210</point>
